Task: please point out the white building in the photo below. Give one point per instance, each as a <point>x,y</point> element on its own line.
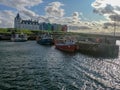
<point>25,24</point>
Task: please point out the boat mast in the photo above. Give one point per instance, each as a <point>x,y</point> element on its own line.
<point>114,26</point>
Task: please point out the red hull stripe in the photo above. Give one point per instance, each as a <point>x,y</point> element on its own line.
<point>69,48</point>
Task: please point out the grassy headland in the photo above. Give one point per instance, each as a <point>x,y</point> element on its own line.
<point>33,33</point>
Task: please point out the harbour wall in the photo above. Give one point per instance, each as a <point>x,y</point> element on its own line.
<point>98,49</point>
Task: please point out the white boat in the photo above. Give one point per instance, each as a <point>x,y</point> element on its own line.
<point>19,37</point>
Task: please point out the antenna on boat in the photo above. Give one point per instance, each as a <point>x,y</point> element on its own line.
<point>114,26</point>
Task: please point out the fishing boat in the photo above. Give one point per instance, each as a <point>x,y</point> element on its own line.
<point>19,37</point>
<point>65,45</point>
<point>45,39</point>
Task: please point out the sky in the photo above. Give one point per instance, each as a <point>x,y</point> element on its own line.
<point>81,14</point>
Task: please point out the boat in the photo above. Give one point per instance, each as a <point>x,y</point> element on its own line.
<point>45,39</point>
<point>19,37</point>
<point>65,45</point>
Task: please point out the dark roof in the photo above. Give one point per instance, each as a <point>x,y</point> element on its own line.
<point>18,16</point>
<point>29,22</point>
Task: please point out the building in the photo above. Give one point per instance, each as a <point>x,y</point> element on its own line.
<point>35,25</point>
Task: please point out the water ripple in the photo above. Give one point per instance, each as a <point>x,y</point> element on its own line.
<point>30,66</point>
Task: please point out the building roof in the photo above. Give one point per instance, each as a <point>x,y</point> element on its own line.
<point>18,16</point>
<point>30,22</point>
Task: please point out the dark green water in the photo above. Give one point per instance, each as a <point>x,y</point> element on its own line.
<point>29,66</point>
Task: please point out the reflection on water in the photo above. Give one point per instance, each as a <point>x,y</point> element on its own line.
<point>29,66</point>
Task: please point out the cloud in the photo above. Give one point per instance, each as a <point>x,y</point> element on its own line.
<point>84,27</point>
<point>108,8</point>
<point>54,9</point>
<point>29,13</point>
<point>75,17</point>
<point>110,24</point>
<point>115,17</point>
<point>7,18</point>
<point>22,6</point>
<point>18,4</point>
<point>107,24</point>
<point>75,27</point>
<point>54,13</point>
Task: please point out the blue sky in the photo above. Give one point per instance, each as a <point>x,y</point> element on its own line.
<point>77,12</point>
<point>70,6</point>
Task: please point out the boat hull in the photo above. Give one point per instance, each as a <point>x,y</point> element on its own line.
<point>19,37</point>
<point>66,48</point>
<point>18,40</point>
<point>45,41</point>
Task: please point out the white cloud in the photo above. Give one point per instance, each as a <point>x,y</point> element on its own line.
<point>76,18</point>
<point>108,8</point>
<point>7,18</point>
<point>29,13</point>
<point>79,27</point>
<point>18,4</point>
<point>54,9</point>
<point>21,6</point>
<point>54,13</point>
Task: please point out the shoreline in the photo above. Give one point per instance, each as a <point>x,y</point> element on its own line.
<point>6,36</point>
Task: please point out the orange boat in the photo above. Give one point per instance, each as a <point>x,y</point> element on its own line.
<point>66,45</point>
